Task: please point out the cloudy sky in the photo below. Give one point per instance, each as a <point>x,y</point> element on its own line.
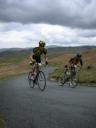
<point>58,22</point>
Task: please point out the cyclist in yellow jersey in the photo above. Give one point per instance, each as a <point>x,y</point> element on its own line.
<point>37,54</point>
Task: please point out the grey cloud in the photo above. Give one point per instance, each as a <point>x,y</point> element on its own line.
<point>72,13</point>
<point>87,33</point>
<point>11,27</point>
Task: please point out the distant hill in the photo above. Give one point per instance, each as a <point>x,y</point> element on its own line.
<point>15,52</point>
<point>51,50</point>
<point>3,49</point>
<point>70,49</point>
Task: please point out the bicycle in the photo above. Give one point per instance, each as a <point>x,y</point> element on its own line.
<point>38,79</point>
<point>70,77</point>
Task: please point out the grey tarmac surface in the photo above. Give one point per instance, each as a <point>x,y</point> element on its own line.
<point>56,107</point>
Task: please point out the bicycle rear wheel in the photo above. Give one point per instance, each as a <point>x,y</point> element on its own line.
<point>30,80</point>
<point>41,81</point>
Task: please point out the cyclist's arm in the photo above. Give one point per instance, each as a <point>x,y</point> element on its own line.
<point>81,62</point>
<point>46,59</point>
<point>46,56</point>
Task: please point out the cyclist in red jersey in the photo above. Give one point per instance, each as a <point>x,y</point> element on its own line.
<point>76,60</point>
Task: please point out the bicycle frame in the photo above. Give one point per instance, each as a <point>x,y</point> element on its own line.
<point>38,78</point>
<point>70,76</point>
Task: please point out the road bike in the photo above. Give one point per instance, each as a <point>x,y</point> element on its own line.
<point>38,78</point>
<point>70,77</point>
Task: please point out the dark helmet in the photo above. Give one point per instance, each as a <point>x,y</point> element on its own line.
<point>78,55</point>
<point>41,43</point>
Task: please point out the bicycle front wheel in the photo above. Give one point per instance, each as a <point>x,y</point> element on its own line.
<point>73,82</point>
<point>30,80</point>
<point>41,81</point>
<point>61,80</point>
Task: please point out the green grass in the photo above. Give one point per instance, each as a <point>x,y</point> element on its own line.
<point>13,65</point>
<point>9,63</point>
<point>85,75</point>
<point>10,60</point>
<point>88,76</point>
<point>2,123</point>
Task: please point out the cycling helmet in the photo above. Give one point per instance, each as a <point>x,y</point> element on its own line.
<point>41,43</point>
<point>78,55</point>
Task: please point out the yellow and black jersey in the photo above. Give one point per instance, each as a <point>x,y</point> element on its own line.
<point>37,51</point>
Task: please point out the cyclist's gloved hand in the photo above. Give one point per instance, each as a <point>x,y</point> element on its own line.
<point>30,62</point>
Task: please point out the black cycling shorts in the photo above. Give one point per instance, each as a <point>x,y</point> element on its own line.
<point>37,59</point>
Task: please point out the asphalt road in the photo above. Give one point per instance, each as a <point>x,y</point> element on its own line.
<point>56,107</point>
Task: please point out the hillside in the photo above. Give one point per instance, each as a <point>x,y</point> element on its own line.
<point>15,61</point>
<point>16,55</point>
<point>51,50</point>
<point>88,72</point>
<point>70,49</point>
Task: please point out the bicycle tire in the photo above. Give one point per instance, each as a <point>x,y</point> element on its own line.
<point>41,81</point>
<point>31,83</point>
<point>73,82</point>
<point>61,81</point>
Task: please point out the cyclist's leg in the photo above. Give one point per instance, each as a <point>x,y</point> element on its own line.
<point>35,65</point>
<point>73,71</point>
<point>67,74</point>
<point>38,61</point>
<point>33,70</point>
<point>73,74</point>
<point>36,69</point>
<point>73,78</point>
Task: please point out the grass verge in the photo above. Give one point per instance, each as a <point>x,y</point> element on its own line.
<point>2,124</point>
<point>86,75</point>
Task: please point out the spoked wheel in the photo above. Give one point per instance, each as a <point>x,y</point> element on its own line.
<point>61,81</point>
<point>73,82</point>
<point>30,80</point>
<point>41,81</point>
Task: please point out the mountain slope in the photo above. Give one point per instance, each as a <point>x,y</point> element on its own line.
<point>17,61</point>
<point>88,72</point>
